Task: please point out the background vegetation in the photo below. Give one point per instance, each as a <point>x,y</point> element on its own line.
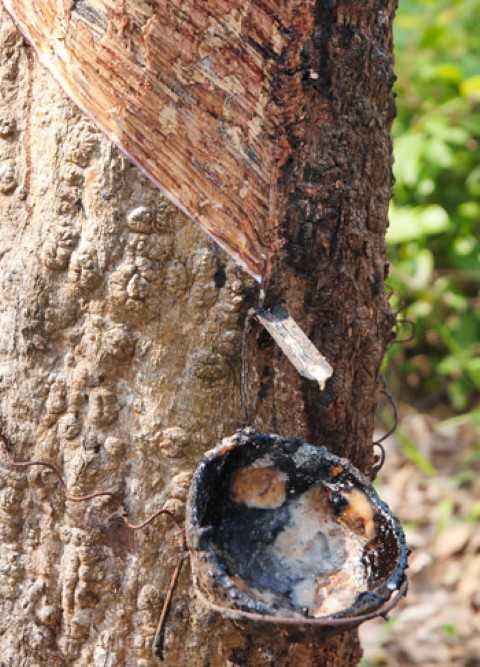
<point>434,241</point>
<point>431,478</point>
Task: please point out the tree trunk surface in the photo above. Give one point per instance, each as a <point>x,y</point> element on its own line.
<point>123,340</point>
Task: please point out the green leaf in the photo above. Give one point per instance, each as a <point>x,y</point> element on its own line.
<point>450,366</point>
<point>411,451</point>
<point>471,87</point>
<point>449,630</point>
<point>423,270</point>
<point>458,393</point>
<point>450,72</point>
<point>439,153</point>
<point>408,223</point>
<point>473,182</point>
<point>470,209</point>
<point>408,151</point>
<point>474,514</point>
<point>434,219</point>
<point>403,225</point>
<point>473,369</point>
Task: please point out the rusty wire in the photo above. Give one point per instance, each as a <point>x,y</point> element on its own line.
<point>403,305</point>
<point>322,622</point>
<point>159,635</point>
<point>381,456</point>
<point>393,405</point>
<point>55,470</point>
<point>380,459</point>
<point>148,521</point>
<point>411,324</point>
<point>157,644</point>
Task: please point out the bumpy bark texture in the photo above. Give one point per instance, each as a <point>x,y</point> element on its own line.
<point>120,341</point>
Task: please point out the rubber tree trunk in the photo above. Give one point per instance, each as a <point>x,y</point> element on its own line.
<point>121,340</point>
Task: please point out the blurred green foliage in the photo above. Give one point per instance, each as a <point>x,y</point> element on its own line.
<point>434,235</point>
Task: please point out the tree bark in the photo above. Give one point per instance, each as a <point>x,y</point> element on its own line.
<point>122,334</point>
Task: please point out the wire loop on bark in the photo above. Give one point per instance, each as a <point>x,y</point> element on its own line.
<point>396,420</point>
<point>411,324</point>
<point>380,460</point>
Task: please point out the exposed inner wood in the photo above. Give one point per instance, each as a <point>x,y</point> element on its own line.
<point>199,95</point>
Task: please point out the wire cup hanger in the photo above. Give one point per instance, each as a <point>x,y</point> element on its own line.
<point>311,364</point>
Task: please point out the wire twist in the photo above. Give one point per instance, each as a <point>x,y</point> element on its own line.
<point>380,459</point>
<point>410,323</point>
